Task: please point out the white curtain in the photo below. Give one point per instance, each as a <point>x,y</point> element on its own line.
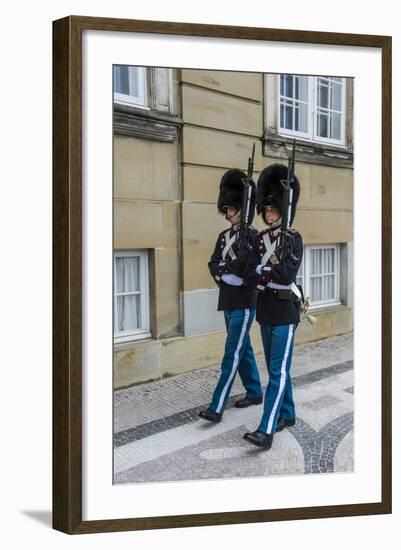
<point>128,281</point>
<point>322,274</point>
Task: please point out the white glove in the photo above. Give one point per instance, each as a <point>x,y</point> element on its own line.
<point>260,268</point>
<point>232,279</point>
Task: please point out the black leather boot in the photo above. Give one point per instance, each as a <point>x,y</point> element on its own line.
<point>247,402</point>
<point>259,439</point>
<point>212,416</point>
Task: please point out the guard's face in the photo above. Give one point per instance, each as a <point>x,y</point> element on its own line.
<point>232,215</point>
<point>271,215</point>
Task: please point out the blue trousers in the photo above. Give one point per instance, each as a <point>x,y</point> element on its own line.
<point>238,356</point>
<point>278,344</point>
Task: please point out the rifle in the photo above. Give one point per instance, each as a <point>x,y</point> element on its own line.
<point>246,198</point>
<point>284,244</point>
<point>284,240</point>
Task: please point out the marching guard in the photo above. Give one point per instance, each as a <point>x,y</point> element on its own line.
<point>274,267</point>
<point>237,300</point>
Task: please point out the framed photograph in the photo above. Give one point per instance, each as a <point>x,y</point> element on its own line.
<point>221,275</point>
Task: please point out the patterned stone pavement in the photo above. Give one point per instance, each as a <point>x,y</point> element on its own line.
<point>159,437</point>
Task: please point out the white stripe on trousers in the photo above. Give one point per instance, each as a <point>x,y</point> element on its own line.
<point>235,362</point>
<point>282,379</point>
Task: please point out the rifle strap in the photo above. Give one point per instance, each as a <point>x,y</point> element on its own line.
<point>228,248</point>
<point>270,248</point>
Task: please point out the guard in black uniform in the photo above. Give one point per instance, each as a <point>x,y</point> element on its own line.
<point>279,298</point>
<point>227,266</point>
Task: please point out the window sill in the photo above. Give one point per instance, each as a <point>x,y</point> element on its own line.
<point>327,308</point>
<point>127,341</point>
<point>327,305</point>
<point>279,146</point>
<point>143,123</point>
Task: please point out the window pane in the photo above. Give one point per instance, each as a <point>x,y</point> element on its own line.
<point>323,265</point>
<point>288,116</point>
<point>119,282</point>
<point>301,117</point>
<point>296,117</point>
<point>322,122</point>
<point>335,126</point>
<point>327,287</point>
<point>134,82</point>
<point>325,261</point>
<point>316,256</point>
<point>128,313</point>
<point>322,94</point>
<point>329,260</point>
<point>303,88</point>
<point>288,88</point>
<point>132,281</point>
<point>330,287</point>
<point>121,80</point>
<point>127,275</point>
<point>323,289</point>
<point>294,87</point>
<point>316,289</point>
<point>336,92</point>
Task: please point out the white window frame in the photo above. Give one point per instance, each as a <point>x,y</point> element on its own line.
<point>306,275</point>
<point>311,135</point>
<point>293,133</point>
<point>320,139</point>
<point>144,331</point>
<point>140,100</point>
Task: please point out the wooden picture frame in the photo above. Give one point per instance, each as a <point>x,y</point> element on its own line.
<point>67,273</point>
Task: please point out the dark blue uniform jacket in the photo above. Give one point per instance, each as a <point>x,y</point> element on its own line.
<point>235,297</point>
<point>271,310</point>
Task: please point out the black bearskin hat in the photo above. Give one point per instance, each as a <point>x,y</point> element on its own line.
<point>270,191</point>
<point>231,192</point>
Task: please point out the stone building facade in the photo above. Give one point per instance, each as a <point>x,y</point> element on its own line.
<point>176,131</point>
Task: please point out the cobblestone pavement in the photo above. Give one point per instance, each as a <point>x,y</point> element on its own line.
<point>158,435</point>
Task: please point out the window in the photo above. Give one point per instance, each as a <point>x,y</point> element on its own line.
<point>294,104</point>
<point>312,108</point>
<point>329,109</point>
<point>131,296</point>
<point>130,85</point>
<point>319,274</point>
